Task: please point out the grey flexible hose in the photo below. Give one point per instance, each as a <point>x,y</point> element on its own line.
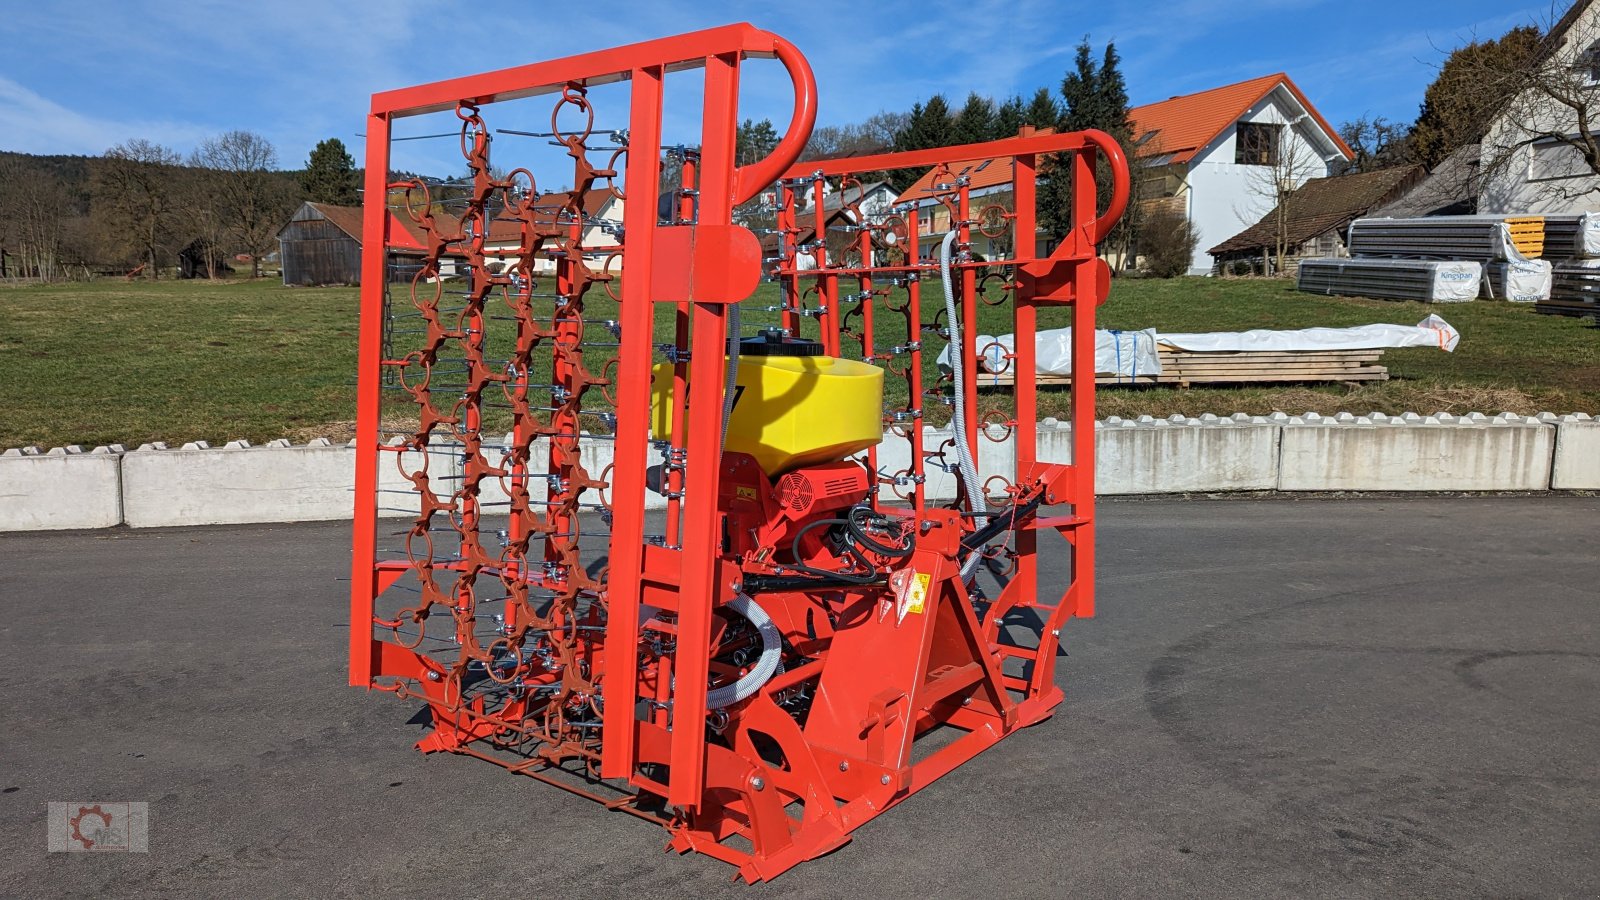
<point>770,663</point>
<point>966,466</point>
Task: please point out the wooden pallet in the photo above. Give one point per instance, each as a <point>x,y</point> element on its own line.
<point>1183,368</point>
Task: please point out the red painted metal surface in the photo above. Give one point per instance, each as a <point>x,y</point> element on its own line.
<point>765,665</point>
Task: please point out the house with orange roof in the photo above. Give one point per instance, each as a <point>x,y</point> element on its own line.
<point>988,184</point>
<point>1214,156</point>
<point>1219,155</point>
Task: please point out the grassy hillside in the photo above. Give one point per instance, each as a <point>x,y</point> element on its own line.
<point>114,361</point>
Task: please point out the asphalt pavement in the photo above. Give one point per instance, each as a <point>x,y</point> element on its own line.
<point>1359,697</point>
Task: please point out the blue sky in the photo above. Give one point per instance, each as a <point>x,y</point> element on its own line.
<point>297,71</point>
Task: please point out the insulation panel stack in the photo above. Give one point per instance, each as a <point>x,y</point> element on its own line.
<point>1575,290</point>
<point>1423,280</point>
<point>1480,238</point>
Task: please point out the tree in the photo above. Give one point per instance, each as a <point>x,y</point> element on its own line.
<point>1542,148</point>
<point>1377,143</point>
<point>33,209</point>
<point>1284,163</point>
<point>331,176</point>
<point>1042,111</point>
<point>1095,96</point>
<point>875,135</point>
<point>1475,82</point>
<point>974,124</point>
<point>756,141</point>
<point>133,199</point>
<point>929,125</point>
<point>1008,118</point>
<point>252,200</point>
<point>1167,241</point>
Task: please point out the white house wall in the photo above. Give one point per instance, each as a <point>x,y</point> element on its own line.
<point>1509,188</point>
<point>1224,197</point>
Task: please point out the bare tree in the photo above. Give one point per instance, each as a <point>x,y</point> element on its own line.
<point>875,135</point>
<point>206,224</point>
<point>1377,142</point>
<point>1279,162</point>
<point>33,210</point>
<point>1542,147</point>
<point>133,197</point>
<point>252,199</point>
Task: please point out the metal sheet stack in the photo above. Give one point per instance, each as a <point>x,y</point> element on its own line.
<point>1480,238</point>
<point>1499,246</point>
<point>1575,236</point>
<point>1572,242</point>
<point>1424,280</point>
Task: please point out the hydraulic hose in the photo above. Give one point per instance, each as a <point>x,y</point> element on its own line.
<point>966,466</point>
<point>768,665</point>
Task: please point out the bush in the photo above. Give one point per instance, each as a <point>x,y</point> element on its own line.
<point>1166,243</point>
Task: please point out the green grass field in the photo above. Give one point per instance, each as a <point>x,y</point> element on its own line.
<point>113,361</point>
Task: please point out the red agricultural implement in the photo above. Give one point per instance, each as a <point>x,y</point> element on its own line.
<point>630,524</point>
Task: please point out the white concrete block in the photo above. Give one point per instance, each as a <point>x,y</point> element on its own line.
<point>1577,457</point>
<point>1175,455</point>
<point>1433,453</point>
<point>1181,455</point>
<point>60,489</point>
<point>212,487</point>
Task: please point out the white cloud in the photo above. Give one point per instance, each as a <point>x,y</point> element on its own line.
<point>35,124</point>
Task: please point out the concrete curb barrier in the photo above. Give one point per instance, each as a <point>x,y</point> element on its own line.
<point>237,483</point>
<point>1414,453</point>
<point>1576,465</point>
<point>1179,454</point>
<point>64,488</point>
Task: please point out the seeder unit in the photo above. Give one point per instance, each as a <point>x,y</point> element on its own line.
<point>630,526</point>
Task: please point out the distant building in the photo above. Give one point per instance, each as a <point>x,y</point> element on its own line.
<point>321,243</point>
<point>1312,221</point>
<point>1215,155</point>
<point>841,211</point>
<point>1211,156</point>
<point>1450,189</point>
<point>1526,162</point>
<point>988,184</point>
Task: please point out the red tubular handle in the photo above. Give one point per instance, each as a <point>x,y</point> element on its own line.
<point>1112,151</point>
<point>752,178</point>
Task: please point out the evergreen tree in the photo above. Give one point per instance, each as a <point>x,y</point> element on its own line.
<point>1008,117</point>
<point>928,126</point>
<point>1095,96</point>
<point>1042,111</point>
<point>975,122</point>
<point>331,176</point>
<point>756,141</point>
<point>1474,83</point>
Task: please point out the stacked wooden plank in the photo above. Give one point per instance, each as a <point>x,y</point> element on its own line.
<point>1182,368</point>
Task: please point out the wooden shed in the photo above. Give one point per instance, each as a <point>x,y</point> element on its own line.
<point>1312,221</point>
<point>321,244</point>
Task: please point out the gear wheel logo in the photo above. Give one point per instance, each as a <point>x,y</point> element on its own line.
<point>85,826</point>
<point>76,822</point>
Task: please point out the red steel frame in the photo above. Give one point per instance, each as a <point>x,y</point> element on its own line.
<point>569,690</point>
